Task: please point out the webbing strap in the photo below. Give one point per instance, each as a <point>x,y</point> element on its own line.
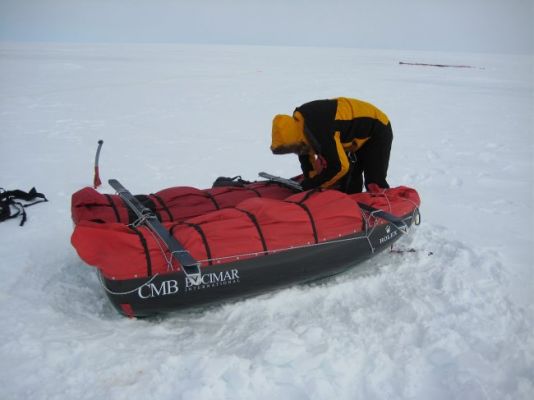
<point>162,203</point>
<point>202,235</point>
<point>257,192</point>
<point>22,195</point>
<point>113,206</point>
<point>145,249</point>
<point>308,194</point>
<point>254,220</point>
<point>213,200</point>
<point>312,221</point>
<point>306,208</point>
<point>7,200</point>
<point>5,211</point>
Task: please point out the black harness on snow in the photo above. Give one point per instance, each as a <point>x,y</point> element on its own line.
<point>13,199</point>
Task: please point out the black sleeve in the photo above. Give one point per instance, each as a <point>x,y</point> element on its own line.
<point>333,164</point>
<point>305,165</point>
<point>319,121</point>
<point>319,118</point>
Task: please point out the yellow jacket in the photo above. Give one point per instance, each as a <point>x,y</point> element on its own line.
<point>326,130</point>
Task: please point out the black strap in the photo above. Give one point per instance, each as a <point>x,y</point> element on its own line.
<point>309,193</point>
<point>307,210</point>
<point>254,190</point>
<point>22,195</point>
<point>145,249</point>
<point>213,200</point>
<point>202,235</point>
<point>162,203</point>
<point>8,200</point>
<point>5,211</point>
<point>312,221</point>
<point>113,206</point>
<point>254,220</point>
<point>236,181</point>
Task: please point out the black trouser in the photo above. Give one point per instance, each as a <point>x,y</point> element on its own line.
<point>370,161</point>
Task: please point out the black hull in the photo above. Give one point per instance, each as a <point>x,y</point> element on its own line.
<point>171,291</point>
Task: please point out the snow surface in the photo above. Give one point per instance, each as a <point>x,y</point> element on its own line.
<point>454,320</point>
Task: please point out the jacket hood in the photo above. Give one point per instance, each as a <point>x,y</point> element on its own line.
<point>288,133</point>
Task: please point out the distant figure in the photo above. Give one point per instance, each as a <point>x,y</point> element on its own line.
<point>338,142</point>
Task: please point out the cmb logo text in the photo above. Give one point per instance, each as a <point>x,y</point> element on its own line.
<point>155,290</point>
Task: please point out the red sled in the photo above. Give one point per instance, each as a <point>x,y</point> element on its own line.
<point>184,247</point>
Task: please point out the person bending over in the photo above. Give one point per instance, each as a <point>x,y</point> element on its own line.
<point>339,143</point>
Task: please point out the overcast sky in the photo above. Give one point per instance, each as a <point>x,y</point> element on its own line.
<point>497,26</point>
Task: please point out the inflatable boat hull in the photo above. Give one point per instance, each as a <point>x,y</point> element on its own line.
<point>239,279</point>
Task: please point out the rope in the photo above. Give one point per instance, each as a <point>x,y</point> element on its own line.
<point>416,215</point>
<point>141,220</point>
<point>257,253</point>
<point>367,232</point>
<point>129,291</point>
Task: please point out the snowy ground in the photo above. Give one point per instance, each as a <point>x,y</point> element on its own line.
<point>452,321</point>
